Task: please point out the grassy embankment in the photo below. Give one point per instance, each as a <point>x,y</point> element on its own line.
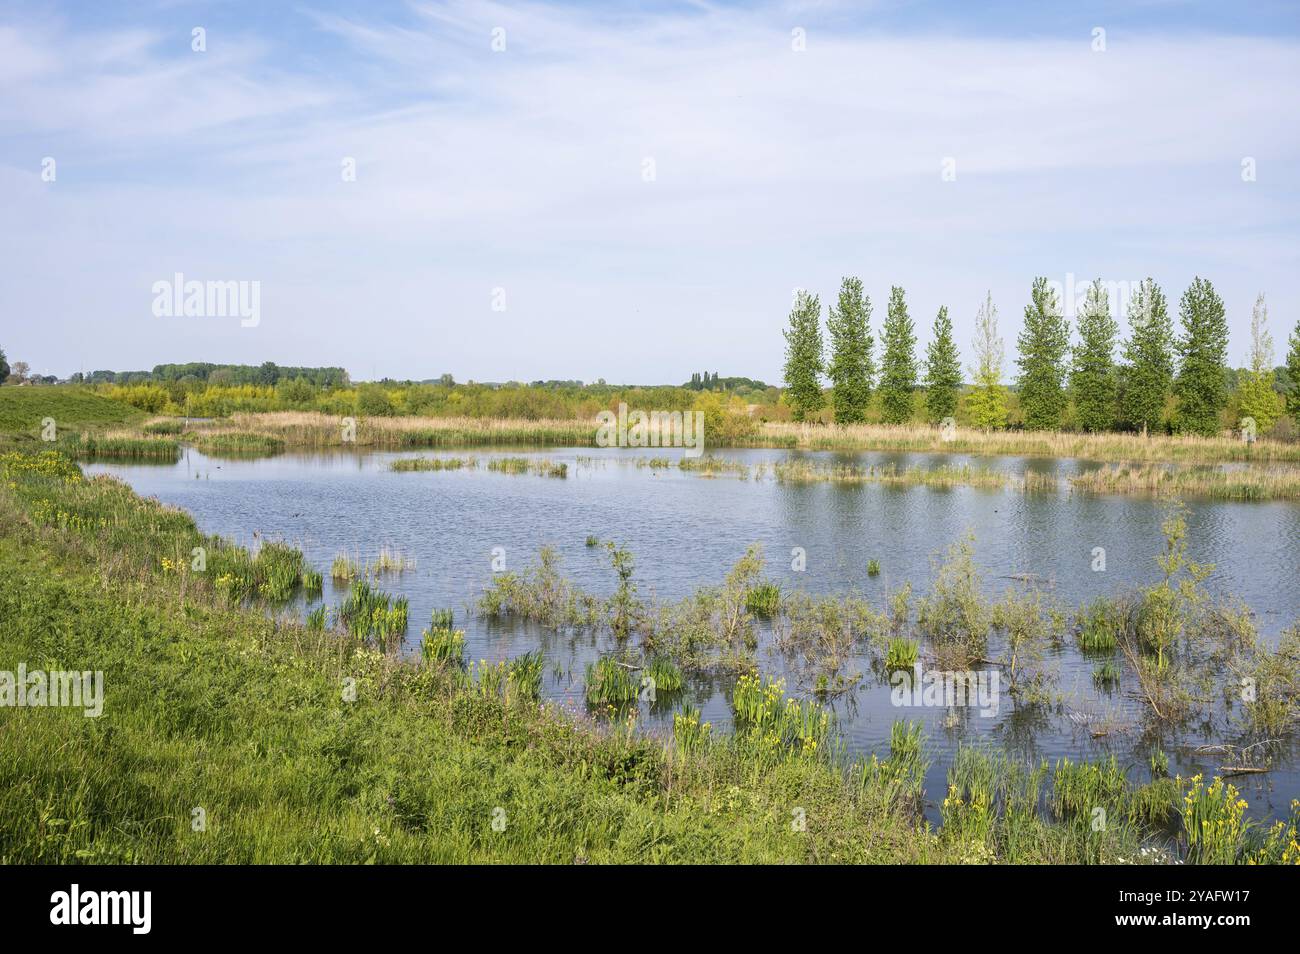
<point>228,736</point>
<point>78,422</point>
<point>212,707</point>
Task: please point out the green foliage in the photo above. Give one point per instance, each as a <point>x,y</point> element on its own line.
<point>987,402</point>
<point>942,370</point>
<point>901,653</point>
<point>1202,349</point>
<point>1099,626</point>
<point>1293,372</point>
<point>1256,397</point>
<point>610,683</point>
<point>1213,822</point>
<point>764,599</point>
<point>1148,369</point>
<point>898,362</point>
<point>779,725</point>
<point>624,607</point>
<point>851,367</point>
<point>238,444</point>
<point>372,614</point>
<point>1043,343</point>
<point>803,357</point>
<point>953,614</point>
<point>1166,606</point>
<point>1093,378</point>
<point>444,646</point>
<point>74,409</point>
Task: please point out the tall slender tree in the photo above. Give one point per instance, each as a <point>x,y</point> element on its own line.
<point>988,398</point>
<point>942,370</point>
<point>851,367</point>
<point>898,363</point>
<point>1202,349</point>
<point>1092,377</point>
<point>1257,398</point>
<point>1043,343</point>
<point>803,357</point>
<point>1148,370</point>
<point>1293,372</point>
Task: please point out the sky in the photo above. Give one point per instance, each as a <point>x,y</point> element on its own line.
<point>522,191</point>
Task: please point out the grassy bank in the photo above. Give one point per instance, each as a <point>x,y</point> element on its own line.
<point>213,711</point>
<point>228,736</point>
<point>24,412</point>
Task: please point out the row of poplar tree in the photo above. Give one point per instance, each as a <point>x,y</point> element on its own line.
<point>1115,384</point>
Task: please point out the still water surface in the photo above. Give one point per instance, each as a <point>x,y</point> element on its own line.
<point>686,531</point>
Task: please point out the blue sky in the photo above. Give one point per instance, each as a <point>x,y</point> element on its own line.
<point>520,174</point>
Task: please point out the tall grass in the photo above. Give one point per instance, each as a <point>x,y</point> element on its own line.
<point>1243,483</point>
<point>1109,447</point>
<point>305,429</point>
<point>610,683</point>
<point>238,443</point>
<point>372,614</point>
<point>120,447</point>
<point>433,463</point>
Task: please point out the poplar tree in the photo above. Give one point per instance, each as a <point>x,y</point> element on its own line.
<point>851,368</point>
<point>1202,349</point>
<point>1043,342</point>
<point>1257,398</point>
<point>1092,377</point>
<point>942,370</point>
<point>898,363</point>
<point>1293,372</point>
<point>803,357</point>
<point>1148,359</point>
<point>988,398</point>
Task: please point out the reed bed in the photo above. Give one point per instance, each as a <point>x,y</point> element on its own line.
<point>304,429</point>
<point>1246,483</point>
<point>540,466</point>
<point>238,443</point>
<point>406,464</point>
<point>1106,447</point>
<point>944,476</point>
<point>118,446</point>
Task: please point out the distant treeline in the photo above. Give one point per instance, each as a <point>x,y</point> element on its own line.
<point>267,373</point>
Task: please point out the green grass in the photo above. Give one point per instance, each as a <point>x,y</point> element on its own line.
<point>238,444</point>
<point>901,653</point>
<point>91,446</point>
<point>407,464</point>
<point>22,409</point>
<point>764,599</point>
<point>609,683</point>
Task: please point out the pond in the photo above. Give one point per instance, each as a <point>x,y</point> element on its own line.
<point>685,531</point>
